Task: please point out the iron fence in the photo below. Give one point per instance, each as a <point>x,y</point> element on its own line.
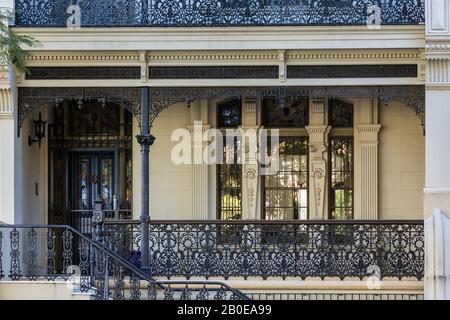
<point>201,13</point>
<point>264,249</point>
<point>54,252</point>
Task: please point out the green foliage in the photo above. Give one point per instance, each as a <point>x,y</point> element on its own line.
<point>11,44</point>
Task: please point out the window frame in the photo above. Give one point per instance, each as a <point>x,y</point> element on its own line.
<point>218,183</point>
<point>340,135</point>
<point>292,133</point>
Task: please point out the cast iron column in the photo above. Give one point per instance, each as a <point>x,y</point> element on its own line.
<point>145,139</point>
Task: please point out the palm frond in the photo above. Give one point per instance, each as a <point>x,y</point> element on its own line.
<point>11,44</point>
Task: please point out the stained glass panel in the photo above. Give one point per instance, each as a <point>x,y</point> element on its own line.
<point>341,114</point>
<point>287,112</point>
<point>229,113</point>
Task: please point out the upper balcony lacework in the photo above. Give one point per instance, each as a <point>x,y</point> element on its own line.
<point>210,13</point>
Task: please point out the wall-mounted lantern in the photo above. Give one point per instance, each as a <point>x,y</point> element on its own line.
<point>39,131</point>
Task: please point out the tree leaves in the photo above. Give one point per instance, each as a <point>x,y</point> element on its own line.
<point>11,43</point>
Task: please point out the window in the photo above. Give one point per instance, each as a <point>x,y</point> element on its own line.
<point>229,183</point>
<point>341,178</point>
<point>341,160</point>
<point>341,114</point>
<point>286,193</point>
<point>229,174</point>
<point>287,112</point>
<point>229,113</point>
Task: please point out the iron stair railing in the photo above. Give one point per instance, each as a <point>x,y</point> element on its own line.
<point>51,252</point>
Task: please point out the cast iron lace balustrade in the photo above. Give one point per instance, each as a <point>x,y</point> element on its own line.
<point>60,253</point>
<point>275,249</point>
<point>200,13</point>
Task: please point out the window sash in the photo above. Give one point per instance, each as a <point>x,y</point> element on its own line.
<point>341,178</point>
<point>289,187</point>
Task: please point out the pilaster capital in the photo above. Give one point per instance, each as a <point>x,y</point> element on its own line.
<point>6,103</point>
<point>244,128</point>
<point>318,134</point>
<point>369,132</point>
<point>202,128</point>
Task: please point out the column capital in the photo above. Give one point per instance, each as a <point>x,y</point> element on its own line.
<point>369,132</point>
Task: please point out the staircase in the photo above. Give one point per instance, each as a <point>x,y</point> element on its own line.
<point>56,254</point>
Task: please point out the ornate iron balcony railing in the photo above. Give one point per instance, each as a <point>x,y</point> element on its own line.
<point>54,252</point>
<point>302,249</point>
<point>198,13</point>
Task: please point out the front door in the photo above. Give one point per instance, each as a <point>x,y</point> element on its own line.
<point>91,178</point>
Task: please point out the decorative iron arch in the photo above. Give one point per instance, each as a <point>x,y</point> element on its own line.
<point>31,99</point>
<point>411,96</point>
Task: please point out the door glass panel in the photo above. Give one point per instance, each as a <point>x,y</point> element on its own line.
<point>107,177</point>
<point>85,183</point>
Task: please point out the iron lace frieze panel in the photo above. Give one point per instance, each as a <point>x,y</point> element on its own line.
<point>352,71</point>
<point>229,72</point>
<point>83,73</point>
<point>197,13</point>
<point>263,250</point>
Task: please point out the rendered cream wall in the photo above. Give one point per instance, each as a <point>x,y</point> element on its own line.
<point>402,163</point>
<point>33,168</point>
<point>170,185</point>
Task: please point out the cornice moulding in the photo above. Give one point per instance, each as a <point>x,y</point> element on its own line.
<point>224,57</point>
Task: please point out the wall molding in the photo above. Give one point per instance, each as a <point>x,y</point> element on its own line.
<point>223,56</point>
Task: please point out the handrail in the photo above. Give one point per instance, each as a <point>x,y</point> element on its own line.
<point>344,248</point>
<point>269,222</point>
<point>123,261</point>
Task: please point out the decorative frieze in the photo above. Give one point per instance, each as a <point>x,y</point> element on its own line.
<point>352,71</point>
<point>87,57</point>
<point>219,56</point>
<point>83,73</point>
<point>248,57</point>
<point>214,72</point>
<point>376,55</point>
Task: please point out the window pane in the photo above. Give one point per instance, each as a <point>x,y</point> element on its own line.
<point>341,114</point>
<point>341,175</point>
<point>287,112</point>
<point>229,113</point>
<point>286,193</point>
<point>229,182</point>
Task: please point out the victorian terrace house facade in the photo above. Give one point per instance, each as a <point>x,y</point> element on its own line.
<point>357,92</point>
